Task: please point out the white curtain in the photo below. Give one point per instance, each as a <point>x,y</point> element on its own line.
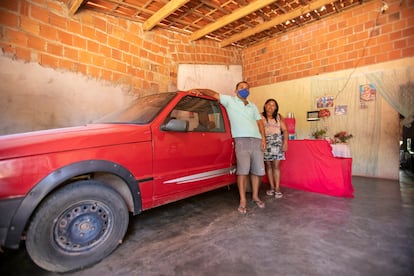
<point>397,88</point>
<point>363,119</point>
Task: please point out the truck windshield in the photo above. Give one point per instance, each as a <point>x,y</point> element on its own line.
<point>141,111</point>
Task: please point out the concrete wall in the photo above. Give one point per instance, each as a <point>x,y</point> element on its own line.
<point>34,97</point>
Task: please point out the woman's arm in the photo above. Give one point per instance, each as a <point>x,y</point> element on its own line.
<point>283,128</point>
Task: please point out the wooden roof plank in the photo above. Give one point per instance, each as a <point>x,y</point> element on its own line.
<point>225,20</point>
<point>162,13</point>
<point>278,20</point>
<point>73,6</point>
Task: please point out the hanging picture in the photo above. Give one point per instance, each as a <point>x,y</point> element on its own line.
<point>341,110</point>
<point>367,92</point>
<point>325,101</point>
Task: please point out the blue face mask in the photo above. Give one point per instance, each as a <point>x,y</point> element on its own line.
<point>244,93</point>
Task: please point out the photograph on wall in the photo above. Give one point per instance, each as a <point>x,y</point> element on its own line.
<point>325,101</point>
<point>367,92</point>
<point>341,110</point>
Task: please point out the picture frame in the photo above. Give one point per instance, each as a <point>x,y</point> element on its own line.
<point>312,116</point>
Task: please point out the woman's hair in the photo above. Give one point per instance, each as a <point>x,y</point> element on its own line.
<point>274,115</point>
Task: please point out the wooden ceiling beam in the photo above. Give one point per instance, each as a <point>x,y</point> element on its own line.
<point>278,20</point>
<point>162,13</point>
<point>227,19</point>
<point>73,6</point>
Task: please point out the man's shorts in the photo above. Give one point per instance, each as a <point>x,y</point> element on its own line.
<point>249,156</point>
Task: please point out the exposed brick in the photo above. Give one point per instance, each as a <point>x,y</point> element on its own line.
<point>88,32</point>
<point>74,27</point>
<point>116,54</point>
<point>84,57</point>
<point>67,64</point>
<point>29,25</point>
<point>79,42</point>
<point>94,72</point>
<point>395,35</point>
<point>8,19</point>
<point>113,42</point>
<point>118,50</point>
<point>124,46</point>
<point>106,74</point>
<point>92,46</point>
<point>408,52</point>
<point>101,37</point>
<point>36,43</point>
<point>10,5</point>
<point>408,32</point>
<point>81,68</point>
<point>100,24</point>
<point>16,37</point>
<point>65,38</point>
<point>98,60</point>
<point>7,49</point>
<point>57,21</point>
<point>54,49</point>
<point>25,8</point>
<point>400,44</point>
<point>48,32</point>
<point>23,54</point>
<point>105,51</point>
<point>39,14</point>
<point>49,61</point>
<point>70,53</point>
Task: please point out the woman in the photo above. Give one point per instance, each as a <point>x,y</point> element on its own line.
<point>276,145</point>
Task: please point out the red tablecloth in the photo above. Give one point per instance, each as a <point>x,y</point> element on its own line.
<point>311,166</point>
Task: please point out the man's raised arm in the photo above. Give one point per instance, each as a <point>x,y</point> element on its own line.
<point>206,92</point>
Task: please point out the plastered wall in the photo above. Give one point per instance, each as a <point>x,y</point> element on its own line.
<point>35,98</point>
<point>296,96</point>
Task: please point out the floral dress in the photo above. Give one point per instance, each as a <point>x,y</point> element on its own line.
<point>274,140</point>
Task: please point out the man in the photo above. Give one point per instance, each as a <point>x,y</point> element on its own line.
<point>250,141</point>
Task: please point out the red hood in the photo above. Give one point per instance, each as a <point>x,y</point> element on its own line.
<point>65,139</point>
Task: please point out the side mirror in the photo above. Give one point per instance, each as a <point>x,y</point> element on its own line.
<point>175,125</point>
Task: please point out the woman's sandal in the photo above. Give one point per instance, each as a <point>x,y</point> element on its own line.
<point>242,210</point>
<point>259,203</point>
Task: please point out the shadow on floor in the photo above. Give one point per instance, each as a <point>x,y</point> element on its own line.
<point>301,234</point>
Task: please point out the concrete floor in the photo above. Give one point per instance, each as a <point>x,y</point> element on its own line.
<point>302,234</point>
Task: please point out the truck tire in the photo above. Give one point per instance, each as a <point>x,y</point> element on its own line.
<point>77,226</point>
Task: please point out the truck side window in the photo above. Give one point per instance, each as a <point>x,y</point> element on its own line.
<point>203,115</point>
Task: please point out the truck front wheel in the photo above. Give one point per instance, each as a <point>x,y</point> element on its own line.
<point>77,226</point>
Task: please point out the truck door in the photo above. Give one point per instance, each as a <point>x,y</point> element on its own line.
<point>197,158</point>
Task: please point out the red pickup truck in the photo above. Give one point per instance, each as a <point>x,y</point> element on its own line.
<point>68,192</point>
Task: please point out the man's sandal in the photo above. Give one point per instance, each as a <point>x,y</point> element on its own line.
<point>242,210</point>
<point>259,203</point>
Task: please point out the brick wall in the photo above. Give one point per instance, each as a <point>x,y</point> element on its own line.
<point>101,46</point>
<point>352,38</point>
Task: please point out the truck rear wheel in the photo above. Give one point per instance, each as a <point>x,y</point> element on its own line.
<point>77,226</point>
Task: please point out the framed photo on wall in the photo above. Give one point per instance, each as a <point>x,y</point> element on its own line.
<point>312,116</point>
<point>324,101</point>
<point>367,92</point>
<point>341,110</point>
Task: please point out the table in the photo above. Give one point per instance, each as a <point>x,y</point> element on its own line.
<point>311,166</point>
<point>341,150</point>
